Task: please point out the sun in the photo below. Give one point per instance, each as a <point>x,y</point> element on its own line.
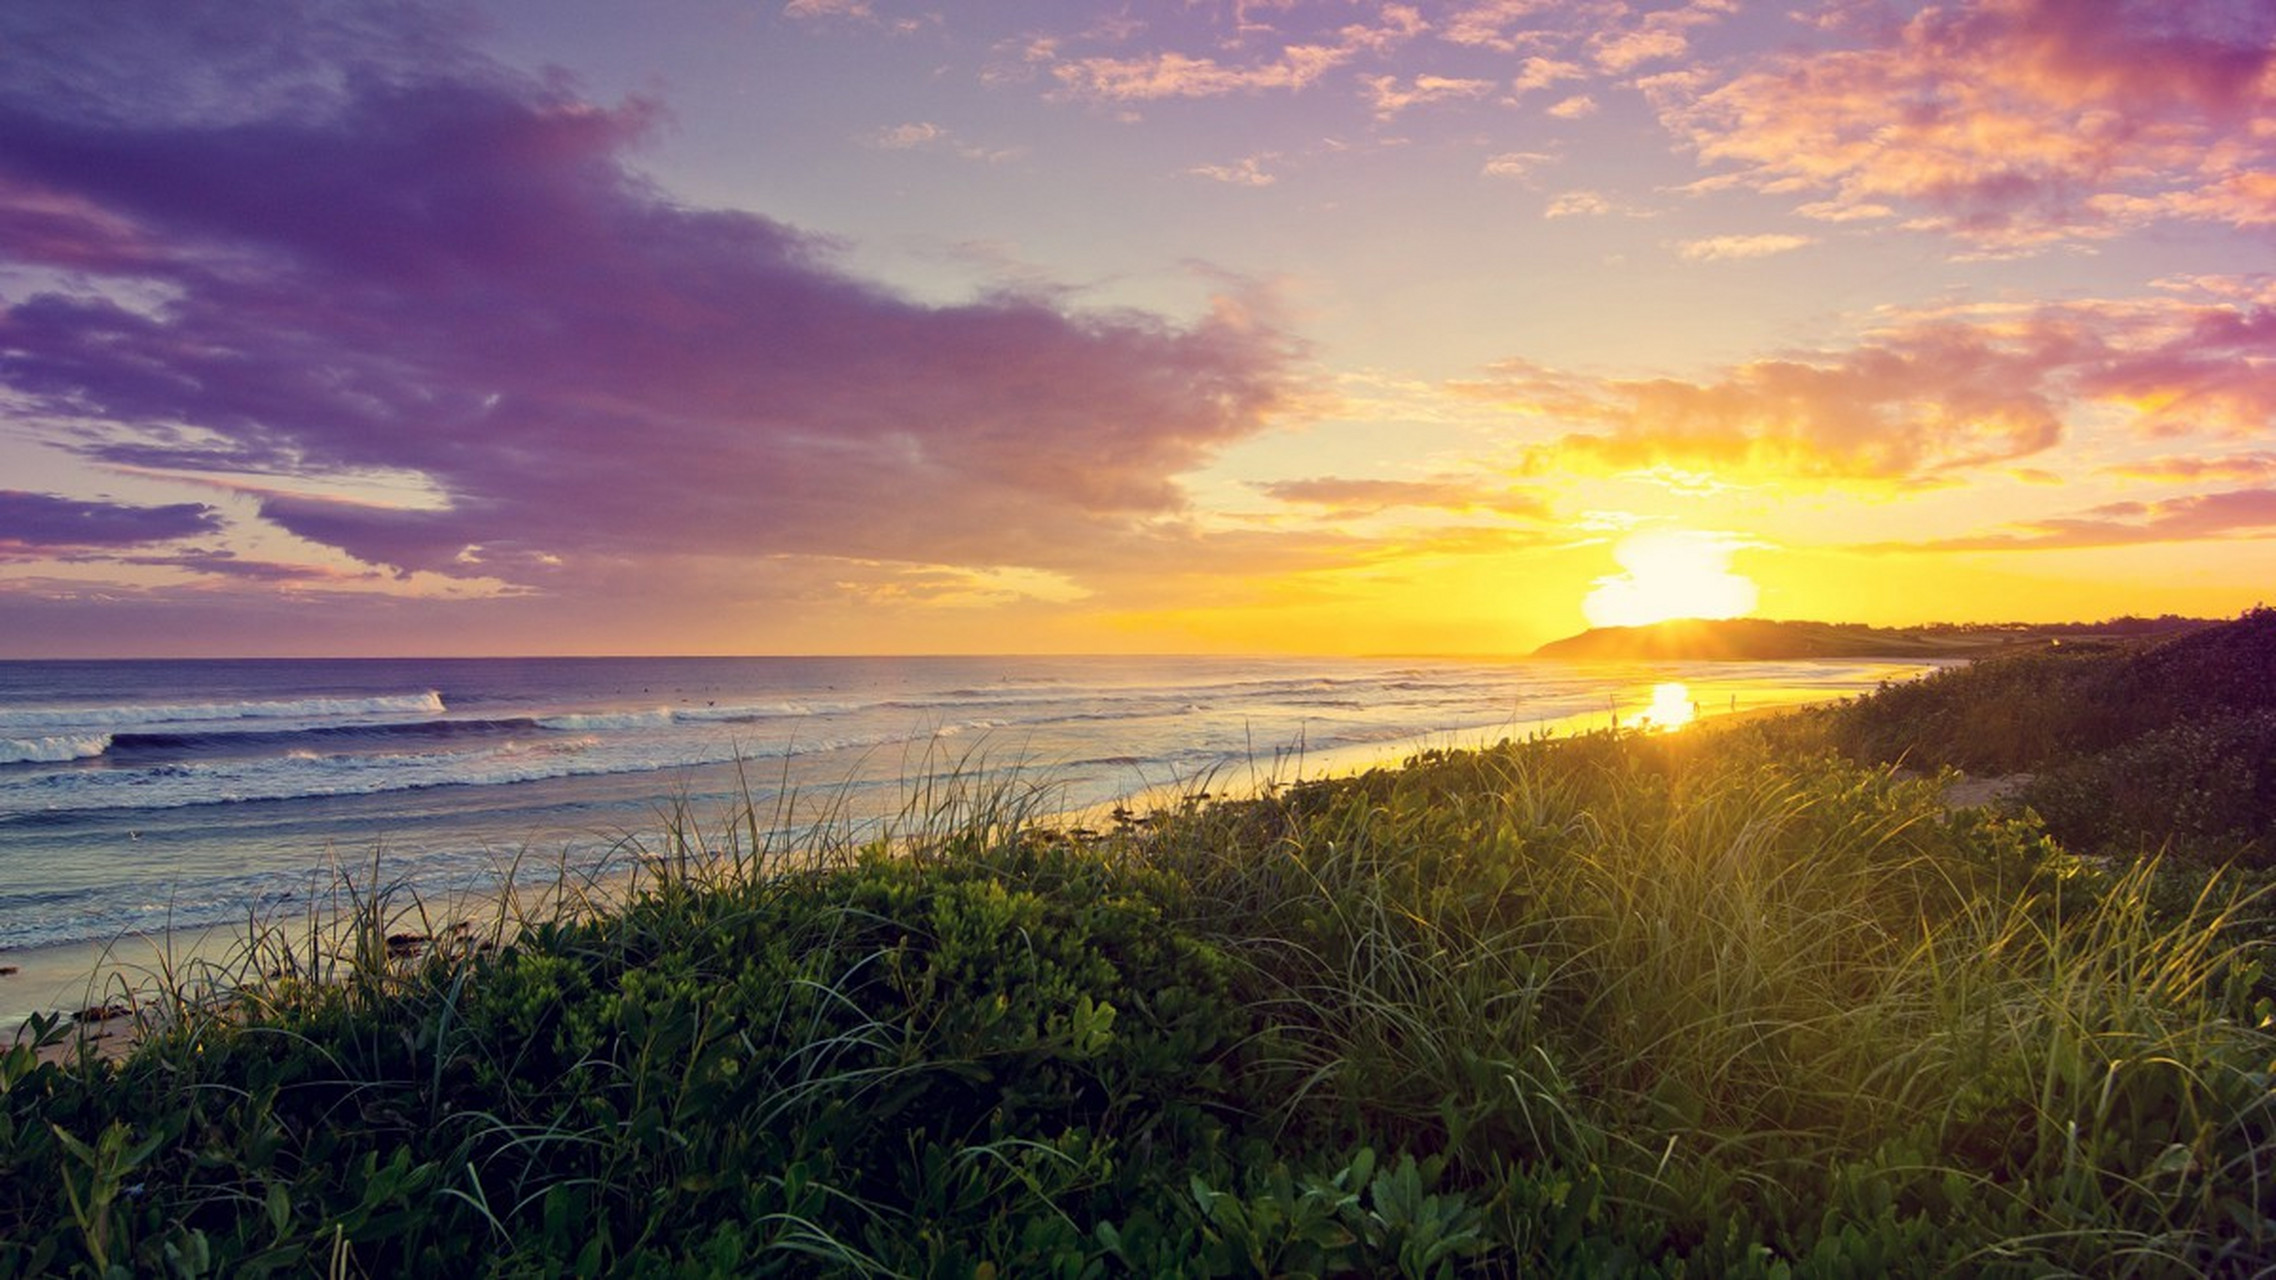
<point>1670,574</point>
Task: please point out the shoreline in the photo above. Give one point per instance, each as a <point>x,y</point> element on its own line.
<point>77,979</point>
<point>106,992</point>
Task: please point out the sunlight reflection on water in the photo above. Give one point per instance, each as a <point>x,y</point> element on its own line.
<point>1671,706</point>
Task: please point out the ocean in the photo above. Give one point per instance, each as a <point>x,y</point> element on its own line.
<point>140,796</point>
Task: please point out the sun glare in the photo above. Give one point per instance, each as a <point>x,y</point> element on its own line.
<point>1670,574</point>
<point>1672,707</point>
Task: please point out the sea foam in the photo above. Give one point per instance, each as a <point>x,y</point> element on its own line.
<point>135,714</point>
<point>54,748</point>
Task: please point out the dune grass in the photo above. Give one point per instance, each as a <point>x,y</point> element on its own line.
<point>1697,1004</point>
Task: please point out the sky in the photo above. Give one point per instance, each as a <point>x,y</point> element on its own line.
<point>1307,326</point>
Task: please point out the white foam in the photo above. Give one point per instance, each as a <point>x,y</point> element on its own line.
<point>54,749</point>
<point>660,717</point>
<point>304,774</point>
<point>584,722</point>
<point>765,711</point>
<point>208,714</point>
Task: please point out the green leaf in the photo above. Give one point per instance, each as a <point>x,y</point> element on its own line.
<point>278,1202</point>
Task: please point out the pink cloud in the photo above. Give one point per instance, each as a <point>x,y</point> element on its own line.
<point>2237,513</point>
<point>2259,465</point>
<point>2190,368</point>
<point>2013,123</point>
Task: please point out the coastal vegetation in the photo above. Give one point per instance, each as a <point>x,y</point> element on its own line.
<point>1745,639</point>
<point>1748,1001</point>
<point>2119,745</point>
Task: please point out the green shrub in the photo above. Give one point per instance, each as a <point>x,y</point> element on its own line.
<point>2165,746</point>
<point>1692,1004</point>
<point>2206,787</point>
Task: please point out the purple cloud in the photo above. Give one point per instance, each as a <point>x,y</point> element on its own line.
<point>222,563</point>
<point>2236,513</point>
<point>37,522</point>
<point>456,274</point>
<point>1344,496</point>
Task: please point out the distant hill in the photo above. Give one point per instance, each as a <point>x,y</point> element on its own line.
<point>1764,638</point>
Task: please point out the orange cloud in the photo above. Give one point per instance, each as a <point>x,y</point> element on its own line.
<point>924,135</point>
<point>1658,36</point>
<point>1294,65</point>
<point>1725,248</point>
<point>1516,164</point>
<point>1391,98</point>
<point>1941,401</point>
<point>1930,393</point>
<point>1627,50</point>
<point>1577,204</point>
<point>1540,73</point>
<point>1177,75</point>
<point>1500,25</point>
<point>827,9</point>
<point>1250,172</point>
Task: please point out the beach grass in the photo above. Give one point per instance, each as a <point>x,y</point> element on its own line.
<point>1686,1004</point>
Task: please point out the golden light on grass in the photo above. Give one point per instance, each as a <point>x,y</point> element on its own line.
<point>1670,574</point>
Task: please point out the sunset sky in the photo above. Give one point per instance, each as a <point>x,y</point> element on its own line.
<point>737,326</point>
